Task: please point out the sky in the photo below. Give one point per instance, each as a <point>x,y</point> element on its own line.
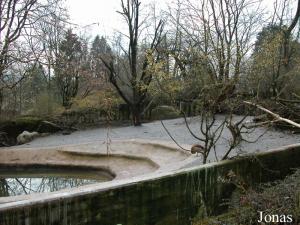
<point>100,16</point>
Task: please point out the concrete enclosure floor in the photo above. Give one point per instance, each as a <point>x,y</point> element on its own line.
<point>154,131</point>
<point>132,151</point>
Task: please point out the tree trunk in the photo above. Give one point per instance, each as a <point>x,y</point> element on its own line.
<point>49,88</point>
<point>1,101</point>
<point>136,115</point>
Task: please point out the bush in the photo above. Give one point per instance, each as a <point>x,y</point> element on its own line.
<point>274,198</point>
<point>164,112</point>
<point>45,105</point>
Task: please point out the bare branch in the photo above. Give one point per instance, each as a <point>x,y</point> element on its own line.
<point>276,116</point>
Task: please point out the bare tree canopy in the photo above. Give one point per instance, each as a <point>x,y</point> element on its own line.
<point>128,71</point>
<point>14,16</point>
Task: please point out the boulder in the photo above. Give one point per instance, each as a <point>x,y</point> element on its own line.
<point>26,137</point>
<point>15,127</point>
<point>11,130</point>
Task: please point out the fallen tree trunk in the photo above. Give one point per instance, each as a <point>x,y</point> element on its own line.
<point>276,116</point>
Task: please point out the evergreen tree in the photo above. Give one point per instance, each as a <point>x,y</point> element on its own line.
<point>68,67</point>
<point>99,49</point>
<point>36,82</point>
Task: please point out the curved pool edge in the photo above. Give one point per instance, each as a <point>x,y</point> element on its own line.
<point>73,151</point>
<point>291,152</point>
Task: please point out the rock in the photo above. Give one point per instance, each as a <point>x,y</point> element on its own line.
<point>26,137</point>
<point>20,128</point>
<point>15,127</point>
<point>48,127</point>
<point>12,128</point>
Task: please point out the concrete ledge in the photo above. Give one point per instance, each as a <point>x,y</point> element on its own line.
<point>160,198</point>
<point>115,155</point>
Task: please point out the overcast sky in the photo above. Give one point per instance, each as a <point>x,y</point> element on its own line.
<point>102,12</point>
<point>100,16</point>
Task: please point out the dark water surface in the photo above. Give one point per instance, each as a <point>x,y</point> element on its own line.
<point>30,181</point>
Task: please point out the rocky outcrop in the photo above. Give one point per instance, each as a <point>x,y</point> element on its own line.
<point>23,130</point>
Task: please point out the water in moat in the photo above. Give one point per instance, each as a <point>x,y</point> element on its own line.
<point>31,181</point>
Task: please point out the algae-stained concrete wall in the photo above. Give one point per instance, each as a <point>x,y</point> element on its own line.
<point>170,198</point>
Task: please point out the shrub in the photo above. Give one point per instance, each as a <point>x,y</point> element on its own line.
<point>274,198</point>
<point>164,112</point>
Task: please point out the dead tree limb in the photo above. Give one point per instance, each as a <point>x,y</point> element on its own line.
<point>288,101</point>
<point>276,116</point>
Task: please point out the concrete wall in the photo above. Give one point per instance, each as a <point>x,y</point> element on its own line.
<point>171,198</point>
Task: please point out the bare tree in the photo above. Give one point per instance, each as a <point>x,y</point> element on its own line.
<point>220,32</point>
<point>14,18</point>
<point>128,71</point>
<point>48,32</point>
<point>211,131</point>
